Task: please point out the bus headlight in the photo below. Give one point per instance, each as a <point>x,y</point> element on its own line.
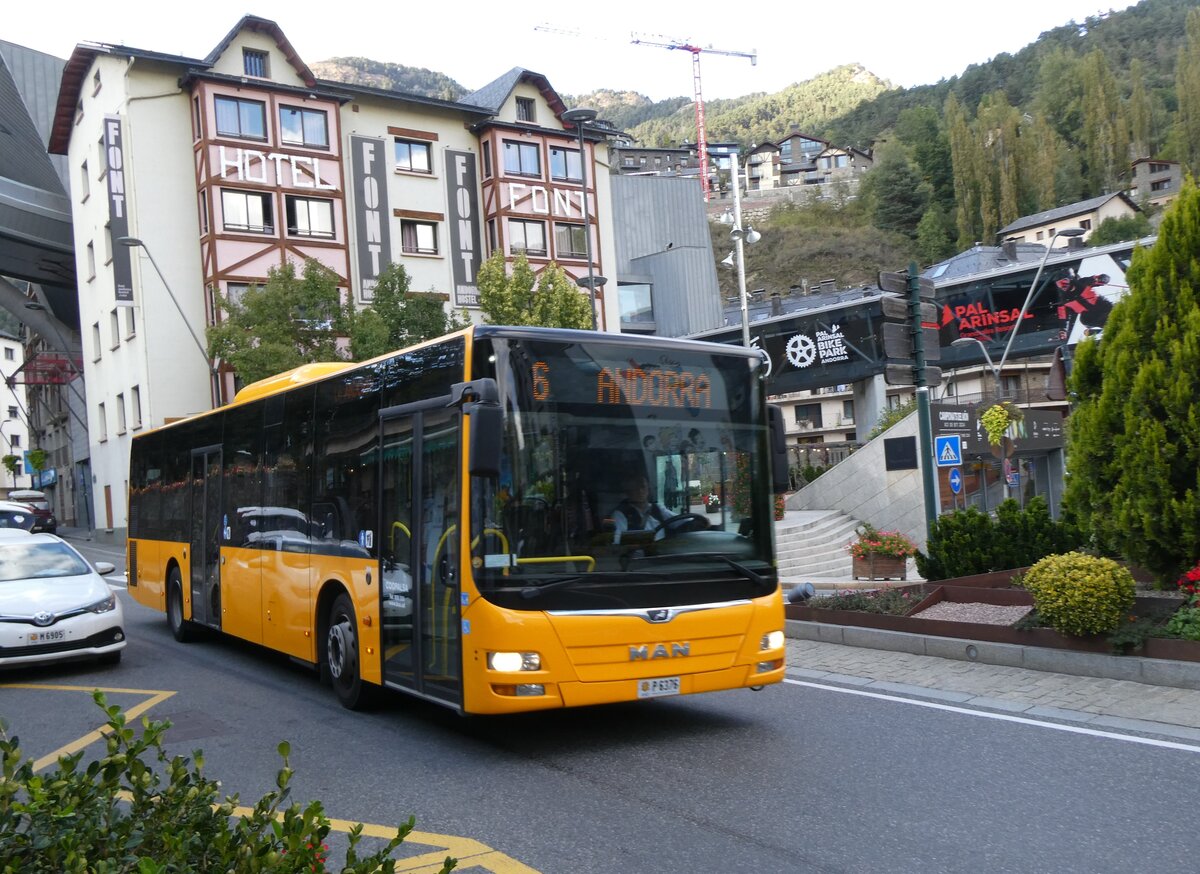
<point>514,661</point>
<point>772,640</point>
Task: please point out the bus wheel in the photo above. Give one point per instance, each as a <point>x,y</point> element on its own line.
<point>341,654</point>
<point>181,629</point>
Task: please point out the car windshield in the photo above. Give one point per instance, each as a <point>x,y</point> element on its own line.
<point>630,477</point>
<point>39,560</point>
<point>16,519</point>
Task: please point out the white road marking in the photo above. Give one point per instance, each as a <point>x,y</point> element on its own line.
<point>1004,717</point>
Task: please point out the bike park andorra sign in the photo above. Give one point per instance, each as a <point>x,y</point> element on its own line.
<point>841,342</point>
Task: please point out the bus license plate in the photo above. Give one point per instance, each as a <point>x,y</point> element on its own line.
<point>46,636</point>
<point>659,687</point>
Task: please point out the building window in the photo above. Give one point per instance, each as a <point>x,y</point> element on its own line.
<point>1160,185</point>
<point>114,324</point>
<point>637,304</point>
<point>120,414</point>
<point>130,323</point>
<point>527,237</point>
<point>309,217</point>
<point>413,156</point>
<point>418,238</point>
<point>1086,224</point>
<point>202,203</point>
<point>487,160</point>
<point>246,119</point>
<point>525,109</point>
<point>235,291</point>
<point>101,423</point>
<point>522,159</point>
<point>14,440</point>
<point>1041,235</point>
<point>491,232</point>
<point>135,407</point>
<point>196,127</point>
<point>91,260</point>
<point>85,183</point>
<point>304,127</point>
<point>10,355</point>
<point>254,63</point>
<point>847,412</point>
<point>96,341</point>
<point>246,211</point>
<point>565,164</point>
<point>1159,168</point>
<point>96,82</point>
<point>12,411</point>
<point>569,241</point>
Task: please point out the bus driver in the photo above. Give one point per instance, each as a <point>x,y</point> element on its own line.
<point>637,512</point>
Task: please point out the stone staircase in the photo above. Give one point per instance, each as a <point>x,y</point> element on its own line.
<point>811,546</point>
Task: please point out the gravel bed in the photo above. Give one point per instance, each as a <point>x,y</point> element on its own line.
<point>982,614</point>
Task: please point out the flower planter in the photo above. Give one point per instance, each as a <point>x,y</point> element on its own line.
<point>1172,648</point>
<point>974,595</point>
<point>880,567</point>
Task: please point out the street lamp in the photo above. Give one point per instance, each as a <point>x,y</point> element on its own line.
<point>134,242</point>
<point>579,117</point>
<point>1033,287</point>
<point>740,237</point>
<point>967,341</point>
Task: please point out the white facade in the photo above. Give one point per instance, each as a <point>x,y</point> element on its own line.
<point>145,364</point>
<point>13,416</point>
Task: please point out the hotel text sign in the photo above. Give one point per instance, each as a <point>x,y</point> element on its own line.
<point>465,256</point>
<point>252,165</point>
<point>118,215</point>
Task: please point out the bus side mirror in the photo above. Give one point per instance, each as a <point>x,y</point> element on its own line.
<point>486,434</point>
<point>778,446</point>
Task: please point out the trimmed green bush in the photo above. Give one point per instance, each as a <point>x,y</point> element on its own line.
<point>122,814</point>
<point>968,542</point>
<point>1080,594</point>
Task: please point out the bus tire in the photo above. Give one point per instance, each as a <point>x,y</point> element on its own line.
<point>182,630</point>
<point>342,657</point>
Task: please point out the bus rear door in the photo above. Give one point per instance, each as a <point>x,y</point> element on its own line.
<point>206,533</point>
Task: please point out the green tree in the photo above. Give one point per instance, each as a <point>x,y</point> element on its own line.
<point>897,195</point>
<point>290,320</point>
<point>548,299</point>
<point>398,317</point>
<point>1118,230</point>
<point>1187,91</point>
<point>1105,131</point>
<point>935,235</point>
<point>1133,448</point>
<point>966,161</point>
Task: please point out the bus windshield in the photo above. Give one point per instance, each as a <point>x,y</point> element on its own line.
<point>632,476</point>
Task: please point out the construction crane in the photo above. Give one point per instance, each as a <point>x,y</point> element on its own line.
<point>701,130</point>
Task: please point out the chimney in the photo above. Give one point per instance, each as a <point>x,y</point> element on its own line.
<point>1009,249</point>
<point>776,303</point>
<point>1074,243</point>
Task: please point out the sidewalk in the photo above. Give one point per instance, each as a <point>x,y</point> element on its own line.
<point>1101,703</point>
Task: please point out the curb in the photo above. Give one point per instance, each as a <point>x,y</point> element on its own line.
<point>1154,672</point>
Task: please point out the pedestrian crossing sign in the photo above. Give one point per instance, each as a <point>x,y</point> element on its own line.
<point>947,450</point>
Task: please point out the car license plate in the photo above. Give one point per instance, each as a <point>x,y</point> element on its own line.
<point>46,636</point>
<point>658,687</point>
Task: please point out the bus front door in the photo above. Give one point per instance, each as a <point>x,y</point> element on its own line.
<point>207,528</point>
<point>419,489</point>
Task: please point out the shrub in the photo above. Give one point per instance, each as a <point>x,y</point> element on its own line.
<point>895,602</point>
<point>120,814</point>
<point>1185,623</point>
<point>967,542</point>
<point>1080,594</point>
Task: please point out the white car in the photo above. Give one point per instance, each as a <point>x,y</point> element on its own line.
<point>53,604</point>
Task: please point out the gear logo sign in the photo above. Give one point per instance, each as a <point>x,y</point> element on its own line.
<point>801,350</point>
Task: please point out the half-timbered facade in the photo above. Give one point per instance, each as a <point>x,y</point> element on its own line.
<point>214,170</point>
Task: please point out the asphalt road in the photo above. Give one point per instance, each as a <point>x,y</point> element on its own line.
<point>799,777</point>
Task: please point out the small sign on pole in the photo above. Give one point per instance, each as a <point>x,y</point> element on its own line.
<point>947,450</point>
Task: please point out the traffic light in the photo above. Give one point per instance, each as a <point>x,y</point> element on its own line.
<point>903,345</point>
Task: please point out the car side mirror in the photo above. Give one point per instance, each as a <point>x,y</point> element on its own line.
<point>104,567</point>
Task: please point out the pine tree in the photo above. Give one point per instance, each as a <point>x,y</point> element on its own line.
<point>1134,440</point>
<point>1187,91</point>
<point>1105,130</point>
<point>1141,112</point>
<point>898,197</point>
<point>964,159</point>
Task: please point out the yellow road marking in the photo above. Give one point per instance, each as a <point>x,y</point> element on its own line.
<point>470,853</point>
<point>156,697</point>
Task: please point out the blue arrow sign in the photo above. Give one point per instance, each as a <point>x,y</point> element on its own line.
<point>947,450</point>
<point>955,481</point>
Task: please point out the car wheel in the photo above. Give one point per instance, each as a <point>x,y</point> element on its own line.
<point>181,629</point>
<point>341,655</point>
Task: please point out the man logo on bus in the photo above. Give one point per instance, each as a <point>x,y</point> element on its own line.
<point>660,651</point>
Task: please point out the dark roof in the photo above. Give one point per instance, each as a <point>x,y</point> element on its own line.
<point>981,259</point>
<point>492,95</point>
<point>264,25</point>
<point>405,96</point>
<point>1064,212</point>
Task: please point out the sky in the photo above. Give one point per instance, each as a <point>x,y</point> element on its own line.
<point>908,42</point>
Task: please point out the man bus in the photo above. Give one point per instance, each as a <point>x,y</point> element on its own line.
<point>436,520</point>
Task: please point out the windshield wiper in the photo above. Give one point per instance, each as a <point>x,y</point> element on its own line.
<point>533,591</point>
<point>753,576</point>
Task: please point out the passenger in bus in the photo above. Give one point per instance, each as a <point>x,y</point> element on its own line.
<point>637,512</point>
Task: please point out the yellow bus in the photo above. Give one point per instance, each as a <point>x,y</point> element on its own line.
<point>445,520</point>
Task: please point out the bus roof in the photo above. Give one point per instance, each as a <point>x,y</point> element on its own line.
<point>291,378</point>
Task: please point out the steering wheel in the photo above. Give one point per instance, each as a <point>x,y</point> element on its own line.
<point>684,522</point>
